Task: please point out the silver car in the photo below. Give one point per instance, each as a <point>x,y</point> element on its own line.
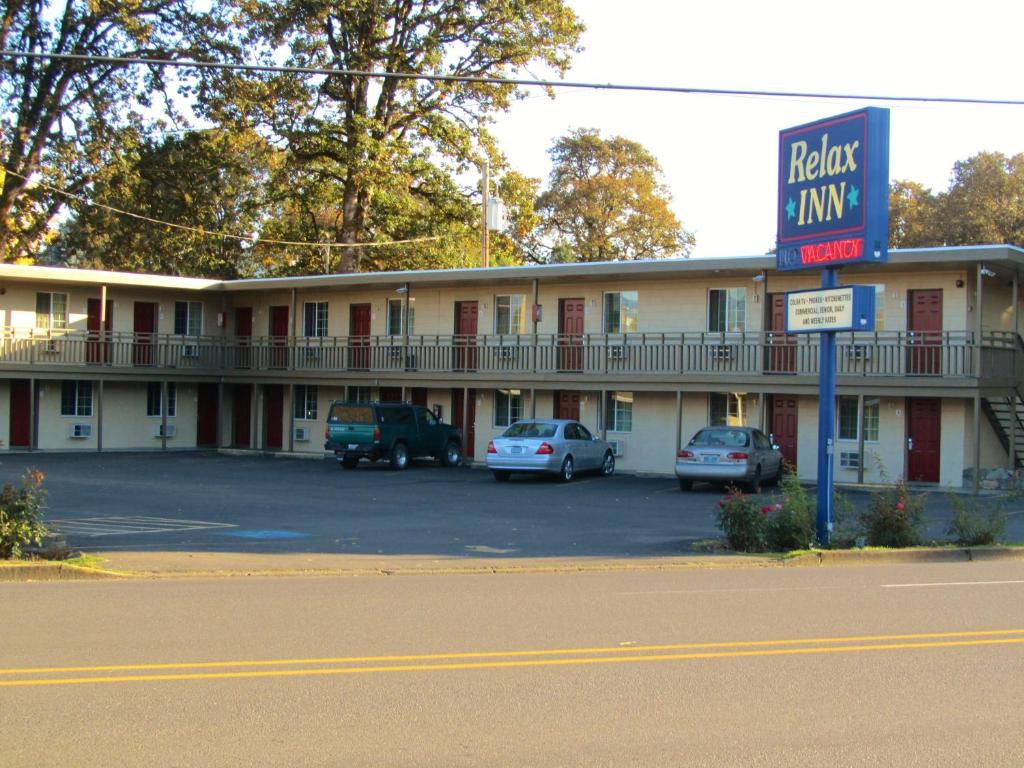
<point>729,455</point>
<point>555,446</point>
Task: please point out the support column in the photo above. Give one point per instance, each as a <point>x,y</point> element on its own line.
<point>679,422</point>
<point>1011,454</point>
<point>291,418</point>
<point>826,418</point>
<point>220,414</point>
<point>860,437</point>
<point>976,484</point>
<point>533,403</point>
<point>163,415</point>
<point>33,416</point>
<point>603,413</point>
<point>465,414</point>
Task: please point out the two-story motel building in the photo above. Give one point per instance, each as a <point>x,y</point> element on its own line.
<point>643,352</point>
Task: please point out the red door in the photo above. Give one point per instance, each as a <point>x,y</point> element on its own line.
<point>97,348</point>
<point>241,436</point>
<point>924,416</point>
<point>924,321</point>
<point>570,334</point>
<point>206,419</point>
<point>243,336</point>
<point>468,428</point>
<point>273,412</point>
<point>567,405</point>
<point>21,413</point>
<point>359,336</point>
<point>419,396</point>
<point>390,395</point>
<point>145,333</point>
<point>279,337</point>
<point>783,423</point>
<point>781,347</point>
<point>466,318</point>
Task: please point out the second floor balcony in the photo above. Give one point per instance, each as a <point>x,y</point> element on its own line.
<point>716,356</point>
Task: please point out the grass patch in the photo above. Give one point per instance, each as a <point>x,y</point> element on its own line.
<point>86,561</point>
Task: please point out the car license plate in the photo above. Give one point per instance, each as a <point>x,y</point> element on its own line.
<point>516,450</point>
<point>353,446</point>
<point>710,459</point>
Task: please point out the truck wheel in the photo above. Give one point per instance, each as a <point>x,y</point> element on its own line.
<point>452,454</point>
<point>349,462</point>
<point>399,456</point>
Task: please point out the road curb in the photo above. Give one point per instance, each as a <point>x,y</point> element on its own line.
<point>890,556</point>
<point>54,571</point>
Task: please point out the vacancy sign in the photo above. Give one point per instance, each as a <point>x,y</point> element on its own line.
<point>849,308</point>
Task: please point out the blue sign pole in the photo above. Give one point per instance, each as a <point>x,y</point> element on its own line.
<point>826,418</point>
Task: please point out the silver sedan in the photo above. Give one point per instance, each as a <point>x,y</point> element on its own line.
<point>555,446</point>
<point>729,455</point>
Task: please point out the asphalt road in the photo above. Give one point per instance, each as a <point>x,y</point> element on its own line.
<point>912,665</point>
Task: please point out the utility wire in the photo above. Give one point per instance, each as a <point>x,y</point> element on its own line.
<point>214,233</point>
<point>326,71</point>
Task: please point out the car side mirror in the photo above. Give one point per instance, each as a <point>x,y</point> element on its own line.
<point>775,447</point>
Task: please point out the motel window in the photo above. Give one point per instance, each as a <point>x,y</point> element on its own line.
<point>359,395</point>
<point>315,318</point>
<point>879,307</point>
<point>621,313</point>
<point>727,409</point>
<point>727,310</point>
<point>619,408</point>
<point>396,310</point>
<point>51,311</point>
<point>188,318</point>
<point>508,407</point>
<point>509,315</point>
<point>849,418</point>
<point>76,398</point>
<point>153,399</point>
<point>304,406</point>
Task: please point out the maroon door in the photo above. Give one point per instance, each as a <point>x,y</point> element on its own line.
<point>468,428</point>
<point>924,415</point>
<point>206,419</point>
<point>781,347</point>
<point>567,405</point>
<point>924,321</point>
<point>97,347</point>
<point>279,337</point>
<point>21,413</point>
<point>419,396</point>
<point>241,436</point>
<point>390,395</point>
<point>570,334</point>
<point>145,333</point>
<point>359,336</point>
<point>466,318</point>
<point>273,411</point>
<point>243,336</point>
<point>783,423</point>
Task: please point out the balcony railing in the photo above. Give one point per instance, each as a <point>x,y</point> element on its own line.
<point>876,354</point>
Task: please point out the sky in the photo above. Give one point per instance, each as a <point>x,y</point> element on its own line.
<point>719,154</point>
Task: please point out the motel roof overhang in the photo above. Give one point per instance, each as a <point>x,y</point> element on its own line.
<point>1004,260</point>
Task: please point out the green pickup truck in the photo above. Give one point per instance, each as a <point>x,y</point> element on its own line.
<point>392,431</point>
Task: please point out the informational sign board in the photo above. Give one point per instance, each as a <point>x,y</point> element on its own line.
<point>833,207</point>
<point>847,308</point>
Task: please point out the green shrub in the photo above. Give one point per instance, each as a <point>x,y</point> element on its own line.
<point>741,521</point>
<point>791,523</point>
<point>973,525</point>
<point>845,522</point>
<point>894,518</point>
<point>20,511</point>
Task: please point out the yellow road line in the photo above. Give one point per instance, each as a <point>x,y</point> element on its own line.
<point>508,654</point>
<point>508,664</point>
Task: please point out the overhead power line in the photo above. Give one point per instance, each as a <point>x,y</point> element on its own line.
<point>536,82</point>
<point>214,233</point>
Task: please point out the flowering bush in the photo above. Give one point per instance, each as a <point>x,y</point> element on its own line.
<point>894,518</point>
<point>974,525</point>
<point>20,512</point>
<point>790,524</point>
<point>743,524</point>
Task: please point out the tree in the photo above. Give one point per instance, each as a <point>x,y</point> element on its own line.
<point>913,215</point>
<point>985,201</point>
<point>605,201</point>
<point>57,116</point>
<point>367,136</point>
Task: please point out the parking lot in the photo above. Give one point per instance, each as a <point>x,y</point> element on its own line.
<point>258,504</point>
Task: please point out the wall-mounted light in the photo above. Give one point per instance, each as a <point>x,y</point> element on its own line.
<point>402,289</point>
<point>986,272</point>
<point>959,283</point>
<point>760,278</point>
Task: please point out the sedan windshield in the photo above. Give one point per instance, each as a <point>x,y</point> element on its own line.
<point>531,429</point>
<point>725,438</point>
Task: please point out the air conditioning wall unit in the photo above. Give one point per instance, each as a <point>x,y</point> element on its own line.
<point>190,350</point>
<point>617,352</point>
<point>51,346</point>
<point>313,353</point>
<point>618,447</point>
<point>80,431</point>
<point>858,352</point>
<point>508,353</point>
<point>721,352</point>
<point>172,430</point>
<point>301,434</point>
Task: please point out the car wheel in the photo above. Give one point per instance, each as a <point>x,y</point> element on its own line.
<point>566,472</point>
<point>777,480</point>
<point>501,476</point>
<point>349,462</point>
<point>452,454</point>
<point>399,456</point>
<point>608,465</point>
<point>755,483</point>
<point>685,485</point>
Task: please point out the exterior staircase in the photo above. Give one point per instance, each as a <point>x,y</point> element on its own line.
<point>1006,415</point>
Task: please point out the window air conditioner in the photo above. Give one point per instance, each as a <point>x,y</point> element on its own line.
<point>618,447</point>
<point>721,352</point>
<point>302,434</point>
<point>190,350</point>
<point>172,430</point>
<point>617,352</point>
<point>313,353</point>
<point>80,431</point>
<point>858,352</point>
<point>51,346</point>
<point>508,353</point>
